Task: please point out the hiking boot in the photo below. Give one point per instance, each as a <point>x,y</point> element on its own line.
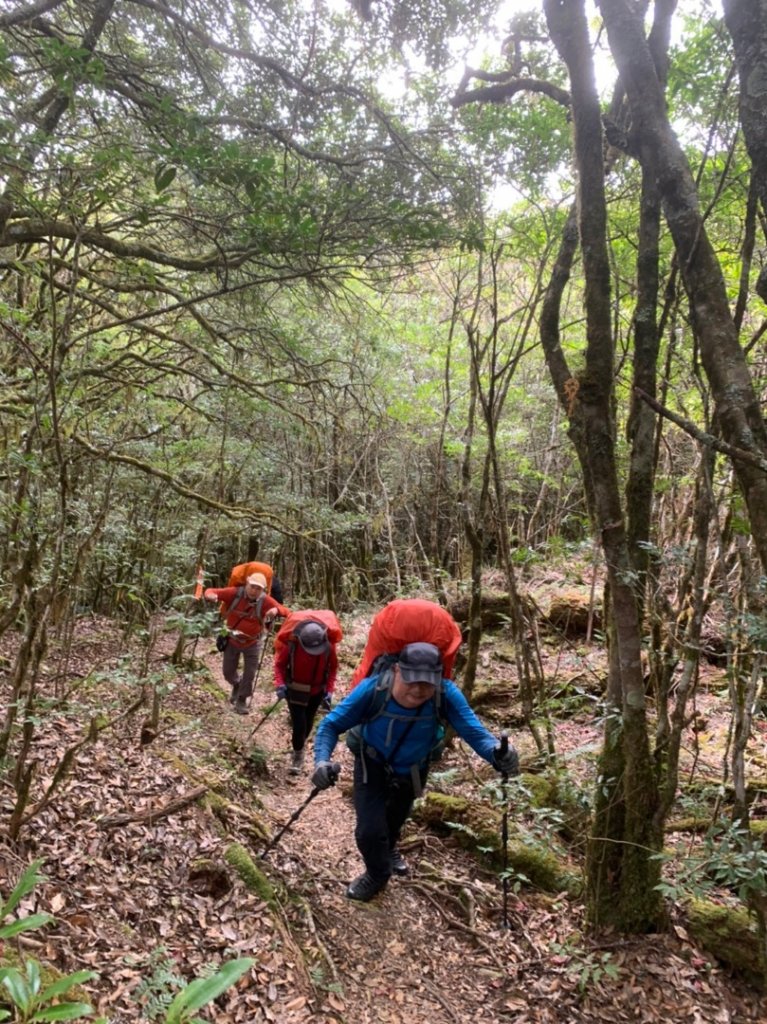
<point>297,762</point>
<point>398,864</point>
<point>241,708</point>
<point>364,888</point>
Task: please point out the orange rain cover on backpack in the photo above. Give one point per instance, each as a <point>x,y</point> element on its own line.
<point>323,615</point>
<point>412,621</point>
<point>240,573</point>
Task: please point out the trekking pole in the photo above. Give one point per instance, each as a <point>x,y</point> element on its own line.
<point>269,711</point>
<point>260,663</point>
<point>335,770</point>
<point>505,831</point>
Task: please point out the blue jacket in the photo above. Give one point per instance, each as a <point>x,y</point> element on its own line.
<point>384,730</point>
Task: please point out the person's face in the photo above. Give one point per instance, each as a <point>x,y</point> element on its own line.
<point>410,695</point>
<point>253,591</point>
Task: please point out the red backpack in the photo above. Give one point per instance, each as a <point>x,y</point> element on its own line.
<point>240,573</point>
<point>409,621</point>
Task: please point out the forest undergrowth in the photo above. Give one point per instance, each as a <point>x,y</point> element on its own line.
<point>151,854</point>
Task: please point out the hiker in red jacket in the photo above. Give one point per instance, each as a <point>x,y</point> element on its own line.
<point>305,669</point>
<point>248,610</point>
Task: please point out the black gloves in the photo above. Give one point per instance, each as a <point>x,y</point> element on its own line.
<point>282,692</point>
<point>507,763</point>
<point>325,774</point>
<point>327,702</point>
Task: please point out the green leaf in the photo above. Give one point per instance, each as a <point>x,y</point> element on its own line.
<point>17,988</point>
<point>163,176</point>
<point>203,990</point>
<point>64,984</point>
<point>64,1011</point>
<point>24,924</point>
<point>33,976</point>
<point>25,884</point>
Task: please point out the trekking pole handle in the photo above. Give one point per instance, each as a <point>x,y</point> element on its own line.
<point>504,743</point>
<point>334,771</point>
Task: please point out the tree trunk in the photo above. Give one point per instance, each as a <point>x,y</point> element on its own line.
<point>621,874</point>
<point>737,406</point>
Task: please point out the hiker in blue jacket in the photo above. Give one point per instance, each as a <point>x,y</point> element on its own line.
<point>393,721</point>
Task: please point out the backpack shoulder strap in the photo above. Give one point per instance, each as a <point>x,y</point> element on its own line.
<point>380,695</point>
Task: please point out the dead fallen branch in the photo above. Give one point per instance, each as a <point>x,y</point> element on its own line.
<point>163,811</point>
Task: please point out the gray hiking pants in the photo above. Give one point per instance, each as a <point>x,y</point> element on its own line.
<point>242,683</point>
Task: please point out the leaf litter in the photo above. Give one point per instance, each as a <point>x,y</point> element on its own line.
<point>129,905</point>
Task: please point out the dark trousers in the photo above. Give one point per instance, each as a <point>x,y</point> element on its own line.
<point>382,804</point>
<point>302,719</point>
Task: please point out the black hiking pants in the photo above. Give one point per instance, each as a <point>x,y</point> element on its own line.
<point>302,719</point>
<point>382,802</point>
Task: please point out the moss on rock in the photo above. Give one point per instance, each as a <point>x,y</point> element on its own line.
<point>252,876</point>
<point>730,935</point>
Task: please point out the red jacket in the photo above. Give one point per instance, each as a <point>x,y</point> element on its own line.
<point>318,670</point>
<point>242,615</point>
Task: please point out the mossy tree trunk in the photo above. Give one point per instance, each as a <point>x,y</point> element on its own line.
<point>621,874</point>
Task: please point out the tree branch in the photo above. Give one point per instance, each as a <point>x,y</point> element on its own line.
<point>701,435</point>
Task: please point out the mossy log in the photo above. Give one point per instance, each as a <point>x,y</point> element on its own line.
<point>476,827</point>
<point>495,610</point>
<point>568,612</point>
<point>228,812</point>
<point>252,876</point>
<point>730,935</point>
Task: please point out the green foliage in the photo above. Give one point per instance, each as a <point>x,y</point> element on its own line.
<point>729,857</point>
<point>32,1001</point>
<point>204,990</point>
<point>29,998</point>
<point>159,985</point>
<point>26,883</point>
<point>586,967</point>
<point>165,998</point>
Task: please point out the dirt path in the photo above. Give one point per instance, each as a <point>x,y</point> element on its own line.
<point>153,903</point>
<point>415,954</point>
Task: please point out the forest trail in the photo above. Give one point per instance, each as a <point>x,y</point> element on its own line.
<point>393,958</point>
<point>410,957</point>
<point>150,900</point>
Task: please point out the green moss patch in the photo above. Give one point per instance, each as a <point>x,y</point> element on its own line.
<point>476,827</point>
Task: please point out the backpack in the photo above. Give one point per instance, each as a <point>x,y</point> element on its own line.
<point>239,597</point>
<point>377,707</point>
<point>299,693</point>
<point>240,573</point>
<point>409,621</point>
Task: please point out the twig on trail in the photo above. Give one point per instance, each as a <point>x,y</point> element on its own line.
<point>282,926</point>
<point>439,892</point>
<point>320,944</point>
<point>469,888</point>
<point>434,991</point>
<point>118,820</point>
<point>459,925</point>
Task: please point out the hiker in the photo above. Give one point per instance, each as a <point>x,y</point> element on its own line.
<point>249,610</point>
<point>276,590</point>
<point>394,723</point>
<point>305,668</point>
